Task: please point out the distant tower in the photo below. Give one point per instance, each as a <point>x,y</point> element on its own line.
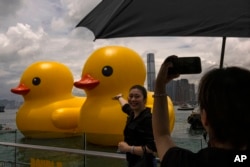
<point>151,71</point>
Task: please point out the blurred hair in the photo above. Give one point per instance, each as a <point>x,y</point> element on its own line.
<point>224,95</point>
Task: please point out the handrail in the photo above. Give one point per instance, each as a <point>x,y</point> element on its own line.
<point>68,150</point>
<point>7,131</point>
<point>74,151</point>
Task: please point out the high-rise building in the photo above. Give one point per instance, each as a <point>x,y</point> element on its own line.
<point>181,91</point>
<point>151,71</point>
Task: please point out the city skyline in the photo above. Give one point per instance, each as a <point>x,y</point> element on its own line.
<point>181,91</point>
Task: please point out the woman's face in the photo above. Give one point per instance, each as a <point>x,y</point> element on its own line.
<point>136,100</point>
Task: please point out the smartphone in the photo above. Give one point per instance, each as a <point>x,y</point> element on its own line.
<point>185,65</point>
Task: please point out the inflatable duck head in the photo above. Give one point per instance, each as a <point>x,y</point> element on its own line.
<point>110,70</point>
<point>49,109</point>
<point>45,80</point>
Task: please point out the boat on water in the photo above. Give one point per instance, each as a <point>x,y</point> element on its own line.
<point>2,108</point>
<point>185,107</point>
<point>194,119</point>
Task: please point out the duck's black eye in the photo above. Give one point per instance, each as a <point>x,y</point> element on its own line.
<point>36,81</point>
<point>107,71</point>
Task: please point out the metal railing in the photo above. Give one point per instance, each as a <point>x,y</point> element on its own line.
<point>82,153</point>
<point>56,149</point>
<point>13,164</point>
<point>66,150</point>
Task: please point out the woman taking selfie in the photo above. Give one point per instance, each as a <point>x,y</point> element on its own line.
<point>223,98</point>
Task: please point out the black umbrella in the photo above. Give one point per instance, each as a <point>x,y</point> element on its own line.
<point>207,18</point>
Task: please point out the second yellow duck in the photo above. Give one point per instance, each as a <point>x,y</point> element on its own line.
<point>108,71</point>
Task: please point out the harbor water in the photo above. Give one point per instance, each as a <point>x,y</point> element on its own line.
<point>182,135</point>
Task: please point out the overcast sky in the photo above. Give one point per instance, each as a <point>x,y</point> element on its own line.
<point>38,30</point>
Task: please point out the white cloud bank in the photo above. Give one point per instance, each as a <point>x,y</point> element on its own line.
<point>31,31</point>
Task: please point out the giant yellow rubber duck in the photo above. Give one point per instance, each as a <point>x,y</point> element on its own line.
<point>49,109</point>
<point>108,71</point>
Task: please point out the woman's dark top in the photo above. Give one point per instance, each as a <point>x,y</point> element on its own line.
<point>207,157</point>
<point>138,131</point>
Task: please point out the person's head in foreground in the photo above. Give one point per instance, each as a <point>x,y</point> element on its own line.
<point>223,97</point>
<point>224,101</point>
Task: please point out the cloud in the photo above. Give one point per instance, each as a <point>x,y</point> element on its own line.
<point>71,13</point>
<point>20,42</point>
<point>40,30</point>
<point>47,35</point>
<point>9,7</point>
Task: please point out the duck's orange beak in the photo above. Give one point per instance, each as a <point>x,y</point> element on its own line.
<point>21,89</point>
<point>87,82</point>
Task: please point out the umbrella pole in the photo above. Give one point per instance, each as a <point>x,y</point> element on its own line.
<point>222,51</point>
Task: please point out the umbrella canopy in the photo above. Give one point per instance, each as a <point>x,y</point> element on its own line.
<point>130,18</point>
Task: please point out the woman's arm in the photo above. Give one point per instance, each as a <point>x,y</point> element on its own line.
<point>124,104</point>
<point>120,98</point>
<point>137,150</point>
<point>160,118</point>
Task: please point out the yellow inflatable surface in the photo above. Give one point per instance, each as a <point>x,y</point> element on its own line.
<point>49,109</point>
<point>150,102</point>
<point>108,71</point>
